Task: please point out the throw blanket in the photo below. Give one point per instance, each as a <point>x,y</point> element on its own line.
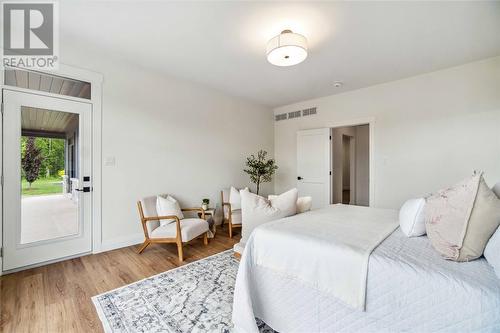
<point>327,249</point>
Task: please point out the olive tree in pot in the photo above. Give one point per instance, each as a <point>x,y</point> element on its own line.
<point>260,169</point>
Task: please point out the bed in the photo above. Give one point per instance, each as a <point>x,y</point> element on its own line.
<point>409,288</point>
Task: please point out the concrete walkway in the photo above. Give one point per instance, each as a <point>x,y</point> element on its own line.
<point>47,217</point>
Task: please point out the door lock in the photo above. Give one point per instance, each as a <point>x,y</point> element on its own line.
<point>85,189</point>
<point>299,178</point>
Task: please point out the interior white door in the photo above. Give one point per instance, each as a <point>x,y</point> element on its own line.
<point>49,218</point>
<point>313,165</point>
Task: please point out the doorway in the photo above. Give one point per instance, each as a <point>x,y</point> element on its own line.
<point>47,150</point>
<point>350,180</point>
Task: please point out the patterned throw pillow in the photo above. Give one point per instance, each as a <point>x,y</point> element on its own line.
<point>460,220</point>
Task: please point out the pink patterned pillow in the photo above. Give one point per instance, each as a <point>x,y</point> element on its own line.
<point>459,220</point>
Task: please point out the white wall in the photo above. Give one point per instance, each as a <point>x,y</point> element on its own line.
<point>167,136</point>
<point>429,131</point>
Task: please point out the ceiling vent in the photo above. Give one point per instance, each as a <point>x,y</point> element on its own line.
<point>309,112</point>
<point>281,116</point>
<point>294,114</point>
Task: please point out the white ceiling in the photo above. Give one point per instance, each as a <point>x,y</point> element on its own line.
<point>222,44</point>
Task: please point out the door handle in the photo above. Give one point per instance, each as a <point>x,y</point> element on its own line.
<point>85,189</point>
<point>299,178</point>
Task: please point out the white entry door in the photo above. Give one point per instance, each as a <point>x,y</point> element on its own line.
<point>47,178</point>
<point>313,165</point>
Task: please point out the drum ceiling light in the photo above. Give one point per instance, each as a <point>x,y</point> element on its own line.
<point>287,49</point>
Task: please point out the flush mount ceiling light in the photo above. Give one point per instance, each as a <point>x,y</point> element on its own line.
<point>287,49</point>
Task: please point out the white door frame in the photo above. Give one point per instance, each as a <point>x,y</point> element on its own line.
<point>95,79</point>
<point>356,122</point>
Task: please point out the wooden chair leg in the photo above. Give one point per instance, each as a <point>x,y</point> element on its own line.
<point>179,250</point>
<point>230,230</point>
<point>205,239</point>
<point>144,246</point>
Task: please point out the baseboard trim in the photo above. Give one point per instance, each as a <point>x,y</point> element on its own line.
<point>123,241</point>
<point>107,245</point>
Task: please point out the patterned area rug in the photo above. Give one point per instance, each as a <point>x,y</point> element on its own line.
<point>197,297</point>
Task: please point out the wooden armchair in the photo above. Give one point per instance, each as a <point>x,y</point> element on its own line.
<point>230,216</point>
<point>178,232</point>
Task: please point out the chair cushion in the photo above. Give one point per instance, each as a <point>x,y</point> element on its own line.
<point>190,229</point>
<point>167,205</point>
<point>149,209</point>
<point>225,194</point>
<point>232,196</point>
<point>236,216</point>
<point>235,198</point>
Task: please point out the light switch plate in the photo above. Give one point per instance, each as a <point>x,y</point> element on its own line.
<point>110,161</point>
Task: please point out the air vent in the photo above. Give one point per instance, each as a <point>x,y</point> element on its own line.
<point>294,114</point>
<point>309,112</point>
<point>281,116</point>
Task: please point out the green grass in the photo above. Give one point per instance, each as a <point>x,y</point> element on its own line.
<point>42,186</point>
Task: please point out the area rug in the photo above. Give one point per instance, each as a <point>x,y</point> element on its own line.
<point>197,297</point>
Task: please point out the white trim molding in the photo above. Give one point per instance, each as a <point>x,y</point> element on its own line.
<point>123,241</point>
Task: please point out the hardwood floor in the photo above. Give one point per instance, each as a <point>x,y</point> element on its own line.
<point>56,297</point>
<point>346,197</point>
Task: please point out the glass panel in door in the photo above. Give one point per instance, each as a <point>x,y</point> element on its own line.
<point>49,174</point>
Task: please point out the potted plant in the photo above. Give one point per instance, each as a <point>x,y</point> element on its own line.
<point>260,169</point>
<point>204,204</point>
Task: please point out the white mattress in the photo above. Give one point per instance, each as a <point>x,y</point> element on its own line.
<point>410,289</point>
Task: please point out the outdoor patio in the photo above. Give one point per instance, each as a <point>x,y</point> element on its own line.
<point>47,217</point>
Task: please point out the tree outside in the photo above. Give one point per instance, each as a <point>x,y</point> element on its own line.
<point>42,165</point>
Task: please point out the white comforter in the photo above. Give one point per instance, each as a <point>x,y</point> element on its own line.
<point>326,249</point>
<point>410,288</point>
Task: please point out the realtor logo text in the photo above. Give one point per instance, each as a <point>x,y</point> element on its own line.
<point>30,35</point>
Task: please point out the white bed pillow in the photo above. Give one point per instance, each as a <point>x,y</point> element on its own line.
<point>304,204</point>
<point>166,206</point>
<point>286,202</point>
<point>235,197</point>
<point>411,217</point>
<point>460,220</point>
<point>257,210</point>
<point>492,252</point>
<point>496,189</point>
